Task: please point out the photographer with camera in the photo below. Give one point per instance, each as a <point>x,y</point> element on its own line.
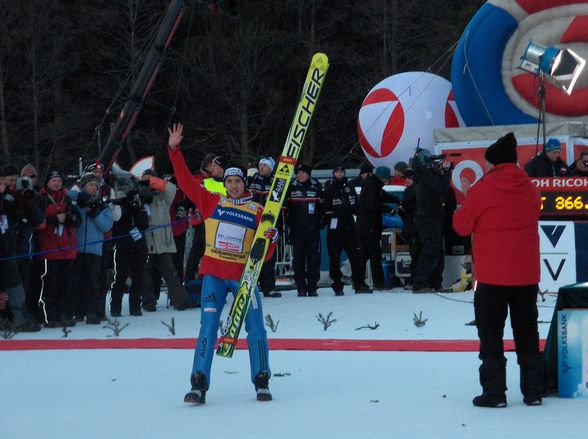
<point>432,176</point>
<point>158,195</point>
<point>372,205</point>
<point>96,220</point>
<point>58,245</point>
<point>27,216</point>
<point>10,281</point>
<point>106,191</point>
<point>130,253</point>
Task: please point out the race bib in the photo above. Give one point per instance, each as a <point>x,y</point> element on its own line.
<point>333,225</point>
<point>136,234</point>
<point>230,238</point>
<point>58,230</point>
<point>3,224</point>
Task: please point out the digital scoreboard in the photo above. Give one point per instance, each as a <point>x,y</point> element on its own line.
<point>563,196</point>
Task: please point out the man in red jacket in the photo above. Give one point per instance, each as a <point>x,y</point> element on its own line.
<point>501,212</point>
<point>231,222</point>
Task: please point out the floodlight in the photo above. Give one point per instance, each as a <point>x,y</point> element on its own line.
<point>560,66</point>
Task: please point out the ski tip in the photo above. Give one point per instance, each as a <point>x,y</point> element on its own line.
<point>320,58</point>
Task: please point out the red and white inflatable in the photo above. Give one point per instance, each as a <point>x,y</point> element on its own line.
<point>402,109</point>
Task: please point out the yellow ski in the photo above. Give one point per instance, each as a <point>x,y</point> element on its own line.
<point>271,211</point>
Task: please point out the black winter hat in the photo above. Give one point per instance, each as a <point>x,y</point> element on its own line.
<point>401,166</point>
<point>93,165</point>
<point>366,167</point>
<point>504,150</point>
<point>53,174</point>
<point>303,167</point>
<point>220,161</point>
<point>339,167</point>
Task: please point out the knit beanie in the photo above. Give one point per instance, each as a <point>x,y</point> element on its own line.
<point>219,160</point>
<point>208,158</point>
<point>339,167</point>
<point>86,178</point>
<point>53,174</point>
<point>304,168</point>
<point>96,164</point>
<point>234,169</point>
<point>552,145</point>
<point>366,167</point>
<point>383,172</point>
<point>401,167</point>
<point>29,169</point>
<point>504,150</point>
<point>268,161</point>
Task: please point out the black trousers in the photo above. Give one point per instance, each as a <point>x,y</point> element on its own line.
<point>165,265</point>
<point>56,289</point>
<point>492,304</point>
<point>306,247</point>
<point>178,257</point>
<point>88,294</point>
<point>431,260</point>
<point>337,242</point>
<point>370,244</point>
<point>267,275</point>
<point>128,263</point>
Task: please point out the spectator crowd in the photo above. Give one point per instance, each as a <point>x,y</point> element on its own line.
<point>63,249</point>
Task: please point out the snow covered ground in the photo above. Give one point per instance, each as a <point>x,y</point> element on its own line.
<point>126,393</point>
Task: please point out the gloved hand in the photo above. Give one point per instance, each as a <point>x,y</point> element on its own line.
<point>272,234</point>
<point>83,198</point>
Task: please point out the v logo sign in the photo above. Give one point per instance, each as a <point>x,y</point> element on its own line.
<point>555,275</point>
<point>553,233</point>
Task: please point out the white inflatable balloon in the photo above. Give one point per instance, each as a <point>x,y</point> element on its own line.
<point>402,109</point>
<point>142,165</point>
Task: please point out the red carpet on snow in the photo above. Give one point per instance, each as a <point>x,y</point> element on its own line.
<point>278,344</point>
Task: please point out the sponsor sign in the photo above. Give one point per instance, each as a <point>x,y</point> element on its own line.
<point>572,334</point>
<point>557,253</point>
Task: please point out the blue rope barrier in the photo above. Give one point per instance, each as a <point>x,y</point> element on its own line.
<point>91,243</point>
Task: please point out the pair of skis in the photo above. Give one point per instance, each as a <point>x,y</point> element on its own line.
<point>284,170</point>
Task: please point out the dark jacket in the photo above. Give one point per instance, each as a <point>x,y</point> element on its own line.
<point>578,169</point>
<point>341,202</point>
<point>372,206</point>
<point>431,188</point>
<point>133,215</point>
<point>304,205</point>
<point>260,187</point>
<point>541,166</point>
<point>501,212</point>
<point>408,212</point>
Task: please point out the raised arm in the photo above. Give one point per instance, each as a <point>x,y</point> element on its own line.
<point>204,200</point>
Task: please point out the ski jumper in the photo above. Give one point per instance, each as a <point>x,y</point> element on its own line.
<point>230,227</point>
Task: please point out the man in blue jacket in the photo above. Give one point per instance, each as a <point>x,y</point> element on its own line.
<point>96,220</point>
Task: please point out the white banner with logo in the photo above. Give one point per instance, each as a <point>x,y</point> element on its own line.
<point>558,254</point>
